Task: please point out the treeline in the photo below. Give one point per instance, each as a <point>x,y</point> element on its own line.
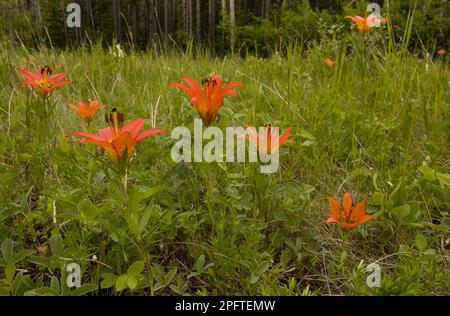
<point>258,26</point>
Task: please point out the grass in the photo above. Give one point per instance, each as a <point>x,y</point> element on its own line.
<point>376,125</point>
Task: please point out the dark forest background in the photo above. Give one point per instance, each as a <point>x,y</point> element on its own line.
<point>222,26</point>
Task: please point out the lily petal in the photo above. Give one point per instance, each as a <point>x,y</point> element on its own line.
<point>150,132</point>
<point>133,127</point>
<point>347,203</point>
<point>359,210</point>
<point>335,208</point>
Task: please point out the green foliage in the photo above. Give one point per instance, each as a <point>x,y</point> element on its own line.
<point>375,125</point>
<point>296,22</point>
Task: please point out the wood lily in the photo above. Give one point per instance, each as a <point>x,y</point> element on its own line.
<point>349,216</point>
<point>208,101</point>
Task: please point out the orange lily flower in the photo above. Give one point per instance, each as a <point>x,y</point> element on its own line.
<point>116,140</point>
<point>208,101</point>
<point>87,110</point>
<point>268,134</point>
<point>43,80</point>
<point>441,52</point>
<point>329,62</point>
<point>366,23</point>
<point>349,216</point>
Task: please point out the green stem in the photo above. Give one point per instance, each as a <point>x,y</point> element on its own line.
<point>210,194</point>
<point>125,184</point>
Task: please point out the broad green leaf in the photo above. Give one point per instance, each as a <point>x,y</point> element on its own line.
<point>428,173</point>
<point>393,194</point>
<point>10,271</point>
<point>131,282</point>
<point>428,256</point>
<point>87,210</point>
<point>177,290</point>
<point>254,278</point>
<point>169,276</point>
<point>136,268</point>
<point>56,245</point>
<point>151,192</point>
<point>114,236</point>
<point>415,208</point>
<point>421,242</point>
<point>131,214</point>
<point>84,289</point>
<point>263,266</point>
<point>21,284</point>
<point>158,286</point>
<point>146,214</point>
<point>441,228</point>
<point>42,291</point>
<point>7,249</point>
<point>304,189</point>
<point>54,284</point>
<point>200,263</point>
<point>401,212</point>
<point>430,251</point>
<point>306,134</point>
<point>285,258</point>
<point>109,279</point>
<point>377,199</point>
<point>133,202</point>
<point>361,172</point>
<point>121,282</point>
<point>444,179</point>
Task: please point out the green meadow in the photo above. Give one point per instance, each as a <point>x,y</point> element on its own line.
<point>375,125</point>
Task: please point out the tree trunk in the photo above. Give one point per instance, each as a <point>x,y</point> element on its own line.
<point>134,26</point>
<point>63,9</point>
<point>190,18</point>
<point>198,22</point>
<point>149,21</point>
<point>155,15</point>
<point>166,17</point>
<point>245,11</point>
<point>212,24</point>
<point>89,13</point>
<point>38,15</point>
<point>232,26</point>
<point>174,16</point>
<point>116,16</point>
<point>183,9</point>
<point>224,11</point>
<point>267,7</point>
<point>152,19</point>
